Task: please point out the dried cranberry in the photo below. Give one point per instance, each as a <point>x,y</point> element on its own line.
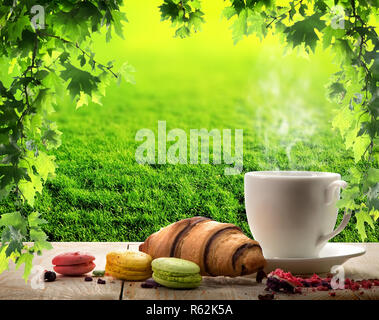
<point>355,286</point>
<point>326,284</point>
<point>50,276</point>
<point>322,288</point>
<point>150,283</point>
<point>268,296</point>
<point>260,276</point>
<point>297,290</point>
<point>332,294</point>
<point>366,284</point>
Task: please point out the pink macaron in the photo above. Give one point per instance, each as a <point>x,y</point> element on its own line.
<point>75,269</point>
<point>73,263</point>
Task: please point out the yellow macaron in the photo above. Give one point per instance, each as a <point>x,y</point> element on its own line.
<point>128,265</point>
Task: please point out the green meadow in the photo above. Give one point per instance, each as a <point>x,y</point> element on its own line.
<point>278,98</point>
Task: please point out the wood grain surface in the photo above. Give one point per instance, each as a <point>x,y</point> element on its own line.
<point>12,286</point>
<point>225,288</point>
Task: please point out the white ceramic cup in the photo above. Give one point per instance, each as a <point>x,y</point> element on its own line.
<point>292,213</point>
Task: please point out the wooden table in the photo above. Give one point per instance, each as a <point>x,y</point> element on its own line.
<point>12,286</point>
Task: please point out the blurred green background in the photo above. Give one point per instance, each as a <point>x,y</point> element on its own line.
<point>100,193</point>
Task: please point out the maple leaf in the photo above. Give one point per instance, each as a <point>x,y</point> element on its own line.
<point>303,32</point>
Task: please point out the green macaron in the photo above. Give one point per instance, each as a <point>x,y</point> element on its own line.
<point>176,273</point>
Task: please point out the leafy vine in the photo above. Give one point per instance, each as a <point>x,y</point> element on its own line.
<point>42,61</point>
<point>345,26</point>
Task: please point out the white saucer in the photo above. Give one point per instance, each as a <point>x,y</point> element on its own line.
<point>332,254</point>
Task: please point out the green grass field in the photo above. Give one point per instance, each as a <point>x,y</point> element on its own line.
<point>100,193</point>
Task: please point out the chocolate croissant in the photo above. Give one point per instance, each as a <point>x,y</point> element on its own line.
<point>220,249</point>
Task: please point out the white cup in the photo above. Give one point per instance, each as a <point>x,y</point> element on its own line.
<point>292,213</point>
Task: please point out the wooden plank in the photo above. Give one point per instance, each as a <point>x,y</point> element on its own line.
<point>366,266</point>
<point>12,286</point>
<point>220,288</point>
<point>224,288</point>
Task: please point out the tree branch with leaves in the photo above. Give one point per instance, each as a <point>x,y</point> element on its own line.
<point>40,64</point>
<point>345,26</point>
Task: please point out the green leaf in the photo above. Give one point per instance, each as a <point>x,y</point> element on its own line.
<point>14,237</point>
<point>37,235</point>
<point>4,260</point>
<point>28,191</point>
<point>337,91</point>
<point>29,188</point>
<point>195,4</point>
<point>126,72</point>
<point>303,32</point>
<point>195,20</point>
<point>363,217</point>
<point>11,174</point>
<point>373,197</point>
<point>348,197</point>
<point>44,101</point>
<point>373,175</point>
<point>360,145</point>
<point>228,12</point>
<point>26,259</point>
<point>256,25</point>
<point>34,220</point>
<point>11,152</point>
<point>42,245</point>
<point>169,11</point>
<point>13,219</point>
<point>51,138</point>
<point>321,6</point>
<point>79,80</point>
<point>344,120</point>
<point>45,165</point>
<point>15,28</point>
<point>118,17</point>
<point>239,27</point>
<point>182,32</point>
<point>83,100</point>
<point>355,176</point>
<point>351,136</point>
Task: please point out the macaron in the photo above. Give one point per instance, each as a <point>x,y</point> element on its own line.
<point>75,269</point>
<point>73,263</point>
<point>176,273</point>
<point>128,265</point>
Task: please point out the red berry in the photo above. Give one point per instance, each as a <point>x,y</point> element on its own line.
<point>322,288</point>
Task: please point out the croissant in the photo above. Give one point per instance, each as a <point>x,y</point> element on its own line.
<point>220,249</point>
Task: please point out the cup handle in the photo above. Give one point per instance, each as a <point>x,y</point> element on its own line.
<point>330,191</point>
<point>330,195</point>
<point>344,222</point>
